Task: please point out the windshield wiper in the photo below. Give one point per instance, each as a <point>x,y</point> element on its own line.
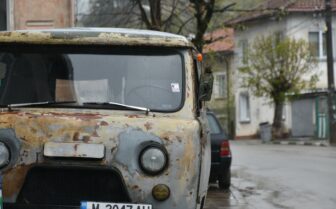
<point>119,105</point>
<point>37,104</point>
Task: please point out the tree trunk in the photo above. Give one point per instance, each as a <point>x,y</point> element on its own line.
<point>155,13</point>
<point>204,11</point>
<point>277,127</point>
<point>154,21</point>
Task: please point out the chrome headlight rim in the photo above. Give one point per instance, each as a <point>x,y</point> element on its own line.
<point>6,164</point>
<point>13,144</point>
<point>165,154</point>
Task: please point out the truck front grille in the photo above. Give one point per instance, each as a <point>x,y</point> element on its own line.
<point>71,185</point>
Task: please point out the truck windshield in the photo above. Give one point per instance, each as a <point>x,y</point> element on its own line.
<point>151,80</point>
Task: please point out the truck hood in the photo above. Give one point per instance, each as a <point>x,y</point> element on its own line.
<point>122,136</point>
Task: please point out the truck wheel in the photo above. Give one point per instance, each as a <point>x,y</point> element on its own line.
<point>224,180</point>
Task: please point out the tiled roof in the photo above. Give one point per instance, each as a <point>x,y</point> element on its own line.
<point>223,41</point>
<point>269,7</point>
<point>310,5</point>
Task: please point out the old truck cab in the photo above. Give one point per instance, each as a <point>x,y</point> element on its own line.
<point>101,118</point>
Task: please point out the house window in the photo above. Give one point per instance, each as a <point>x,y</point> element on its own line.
<point>317,44</point>
<point>244,51</point>
<point>244,107</point>
<point>220,85</point>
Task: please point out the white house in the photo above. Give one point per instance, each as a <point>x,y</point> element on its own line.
<point>306,115</point>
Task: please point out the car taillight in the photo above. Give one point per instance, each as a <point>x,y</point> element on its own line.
<point>225,149</point>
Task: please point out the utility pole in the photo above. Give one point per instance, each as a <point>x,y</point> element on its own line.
<point>331,82</point>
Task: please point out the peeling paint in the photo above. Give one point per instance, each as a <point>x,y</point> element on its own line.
<point>179,141</point>
<point>148,126</point>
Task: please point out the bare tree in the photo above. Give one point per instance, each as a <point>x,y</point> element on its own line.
<point>106,13</point>
<point>177,16</point>
<point>201,11</point>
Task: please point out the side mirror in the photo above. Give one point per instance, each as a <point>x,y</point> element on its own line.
<point>205,90</point>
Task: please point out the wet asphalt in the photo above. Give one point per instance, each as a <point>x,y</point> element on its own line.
<point>266,176</point>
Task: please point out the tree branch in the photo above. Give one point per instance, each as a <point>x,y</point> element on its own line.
<point>224,8</point>
<point>184,24</point>
<point>174,6</point>
<point>214,40</point>
<point>143,14</point>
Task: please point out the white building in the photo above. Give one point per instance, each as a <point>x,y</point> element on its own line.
<point>305,116</point>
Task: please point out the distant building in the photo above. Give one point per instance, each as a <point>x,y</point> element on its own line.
<point>39,14</point>
<point>306,116</point>
<point>219,54</point>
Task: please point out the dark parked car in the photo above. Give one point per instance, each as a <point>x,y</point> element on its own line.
<point>220,154</point>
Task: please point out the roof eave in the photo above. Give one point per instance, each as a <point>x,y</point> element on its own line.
<point>251,19</point>
<point>247,20</point>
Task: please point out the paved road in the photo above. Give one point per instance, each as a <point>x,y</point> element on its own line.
<point>278,176</point>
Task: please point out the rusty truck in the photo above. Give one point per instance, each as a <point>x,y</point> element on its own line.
<point>102,118</point>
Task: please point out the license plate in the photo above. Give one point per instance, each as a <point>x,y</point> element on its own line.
<point>104,205</point>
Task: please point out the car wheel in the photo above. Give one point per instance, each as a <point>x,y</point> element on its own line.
<point>224,180</point>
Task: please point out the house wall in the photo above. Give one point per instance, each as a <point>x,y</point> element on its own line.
<point>222,105</point>
<point>299,26</point>
<point>261,109</point>
<point>41,14</point>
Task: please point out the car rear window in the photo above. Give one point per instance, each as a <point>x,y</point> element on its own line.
<point>214,127</point>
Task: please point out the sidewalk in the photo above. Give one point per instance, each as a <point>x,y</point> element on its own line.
<point>290,141</point>
<point>310,142</point>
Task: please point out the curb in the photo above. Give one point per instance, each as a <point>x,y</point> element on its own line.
<point>302,143</point>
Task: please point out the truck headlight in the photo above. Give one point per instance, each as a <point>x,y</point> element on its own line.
<point>153,160</point>
<point>4,155</point>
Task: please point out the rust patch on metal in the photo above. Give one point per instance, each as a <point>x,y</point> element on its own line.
<point>76,147</point>
<point>95,133</point>
<point>75,136</point>
<point>80,116</point>
<point>13,180</point>
<point>13,112</point>
<point>148,126</point>
<point>135,187</point>
<point>133,116</point>
<point>104,123</point>
<point>166,138</point>
<point>86,138</point>
<point>33,130</point>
